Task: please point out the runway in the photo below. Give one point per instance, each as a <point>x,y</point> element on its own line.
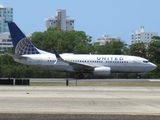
<point>100,80</point>
<point>119,100</point>
<point>80,100</point>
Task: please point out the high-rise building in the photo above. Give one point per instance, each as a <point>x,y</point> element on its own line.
<point>141,36</point>
<point>60,20</point>
<point>6,14</point>
<point>106,38</point>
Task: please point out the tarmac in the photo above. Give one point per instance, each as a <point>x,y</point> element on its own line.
<point>68,102</point>
<point>100,80</point>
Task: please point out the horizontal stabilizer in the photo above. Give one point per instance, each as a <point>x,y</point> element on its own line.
<point>14,56</point>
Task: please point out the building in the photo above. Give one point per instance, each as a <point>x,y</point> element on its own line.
<point>106,38</point>
<point>60,20</point>
<point>6,14</point>
<point>141,36</point>
<point>5,41</point>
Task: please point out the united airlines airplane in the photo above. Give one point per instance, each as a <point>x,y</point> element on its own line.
<point>98,65</point>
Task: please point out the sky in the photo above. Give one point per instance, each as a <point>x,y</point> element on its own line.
<point>95,17</point>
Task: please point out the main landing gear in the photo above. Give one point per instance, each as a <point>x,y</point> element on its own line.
<point>138,76</point>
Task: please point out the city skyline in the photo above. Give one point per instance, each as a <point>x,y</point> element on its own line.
<point>111,17</point>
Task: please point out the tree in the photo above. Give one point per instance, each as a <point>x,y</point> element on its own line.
<point>154,50</point>
<point>64,41</point>
<point>113,47</point>
<point>138,49</point>
<point>153,54</point>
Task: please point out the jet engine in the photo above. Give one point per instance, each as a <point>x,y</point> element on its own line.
<point>102,71</point>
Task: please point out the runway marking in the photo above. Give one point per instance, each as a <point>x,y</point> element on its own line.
<point>154,80</point>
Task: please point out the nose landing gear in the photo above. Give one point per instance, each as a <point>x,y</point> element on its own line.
<point>138,76</point>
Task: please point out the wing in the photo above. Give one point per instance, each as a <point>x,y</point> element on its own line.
<point>80,66</point>
<point>76,66</point>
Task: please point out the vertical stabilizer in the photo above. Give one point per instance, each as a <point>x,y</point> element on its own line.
<point>22,45</point>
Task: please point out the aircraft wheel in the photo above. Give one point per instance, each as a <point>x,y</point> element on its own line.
<point>138,76</point>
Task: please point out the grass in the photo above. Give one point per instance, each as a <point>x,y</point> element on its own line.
<point>96,83</point>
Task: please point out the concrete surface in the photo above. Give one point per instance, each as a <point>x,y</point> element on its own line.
<point>80,100</point>
<point>101,80</point>
<point>20,116</point>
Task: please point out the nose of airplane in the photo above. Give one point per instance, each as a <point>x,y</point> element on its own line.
<point>153,66</point>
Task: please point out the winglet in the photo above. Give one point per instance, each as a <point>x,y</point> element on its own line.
<point>56,53</point>
<point>59,58</point>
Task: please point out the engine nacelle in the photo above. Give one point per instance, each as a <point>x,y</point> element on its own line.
<point>102,71</point>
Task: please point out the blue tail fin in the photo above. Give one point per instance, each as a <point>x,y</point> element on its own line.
<point>22,45</point>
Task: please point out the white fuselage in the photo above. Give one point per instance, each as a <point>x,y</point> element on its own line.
<point>117,63</point>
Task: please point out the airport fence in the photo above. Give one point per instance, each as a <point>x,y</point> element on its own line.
<point>16,81</point>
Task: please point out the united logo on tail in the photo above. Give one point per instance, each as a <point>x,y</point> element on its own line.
<point>24,46</point>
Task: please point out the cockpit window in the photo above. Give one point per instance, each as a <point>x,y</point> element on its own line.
<point>145,61</point>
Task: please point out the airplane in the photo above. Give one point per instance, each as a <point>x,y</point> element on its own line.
<point>98,65</point>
